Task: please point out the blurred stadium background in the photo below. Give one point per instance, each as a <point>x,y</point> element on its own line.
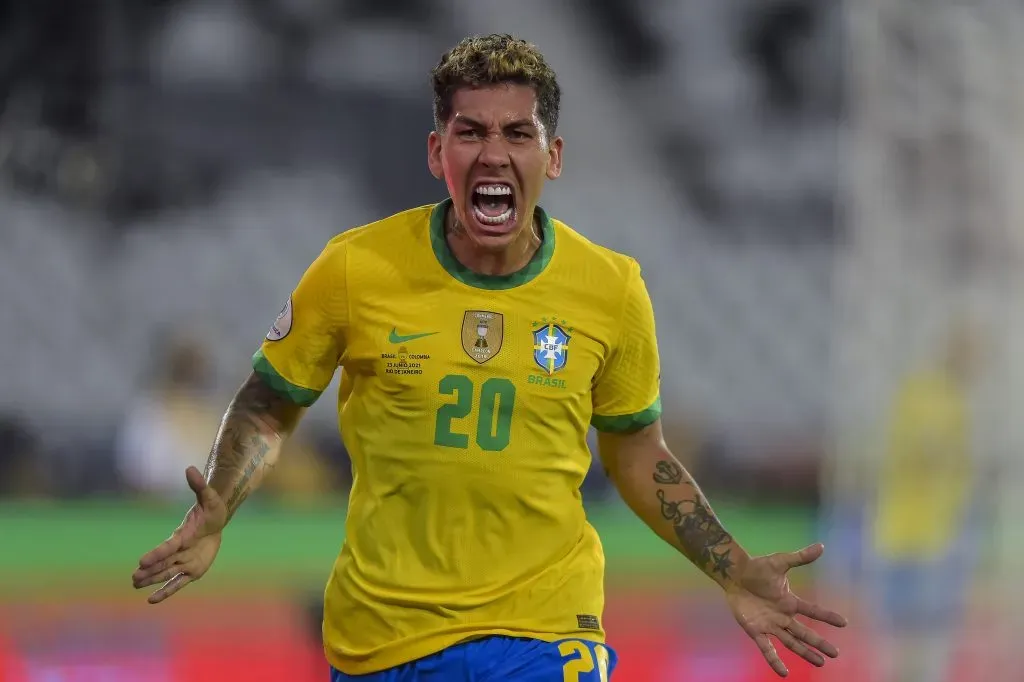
<point>819,192</point>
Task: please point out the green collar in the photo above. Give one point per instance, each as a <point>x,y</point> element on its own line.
<point>460,272</point>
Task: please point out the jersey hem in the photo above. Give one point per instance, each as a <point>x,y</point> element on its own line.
<point>304,397</point>
<point>400,654</point>
<point>628,423</point>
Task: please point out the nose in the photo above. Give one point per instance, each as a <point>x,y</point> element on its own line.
<point>494,153</point>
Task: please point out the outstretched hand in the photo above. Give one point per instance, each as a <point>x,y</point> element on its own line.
<point>189,552</point>
<point>765,607</point>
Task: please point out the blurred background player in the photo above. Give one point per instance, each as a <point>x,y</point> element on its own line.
<point>170,423</point>
<point>477,345</point>
<point>924,532</point>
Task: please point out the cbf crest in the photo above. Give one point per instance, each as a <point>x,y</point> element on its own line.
<point>482,333</point>
<point>551,344</point>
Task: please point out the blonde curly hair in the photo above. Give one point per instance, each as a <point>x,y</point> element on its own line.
<point>488,60</point>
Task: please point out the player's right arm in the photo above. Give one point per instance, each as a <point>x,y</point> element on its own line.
<point>249,441</point>
<point>292,367</point>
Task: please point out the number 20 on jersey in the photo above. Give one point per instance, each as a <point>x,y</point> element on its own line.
<point>494,420</point>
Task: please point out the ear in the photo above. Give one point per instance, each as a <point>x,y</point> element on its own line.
<point>434,155</point>
<point>555,158</point>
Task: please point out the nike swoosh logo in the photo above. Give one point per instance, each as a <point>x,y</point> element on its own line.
<point>395,337</point>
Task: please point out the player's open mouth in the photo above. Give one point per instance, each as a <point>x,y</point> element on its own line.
<point>494,204</point>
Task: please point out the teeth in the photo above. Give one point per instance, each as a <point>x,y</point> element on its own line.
<point>494,190</point>
<point>495,220</point>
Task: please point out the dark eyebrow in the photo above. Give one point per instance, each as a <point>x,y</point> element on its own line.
<point>467,121</point>
<point>521,123</point>
<point>462,119</point>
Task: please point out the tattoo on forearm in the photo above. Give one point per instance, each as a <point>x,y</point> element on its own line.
<point>701,536</point>
<point>242,450</point>
<point>667,472</point>
<point>255,451</point>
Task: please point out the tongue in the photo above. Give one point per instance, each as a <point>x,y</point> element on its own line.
<point>493,206</point>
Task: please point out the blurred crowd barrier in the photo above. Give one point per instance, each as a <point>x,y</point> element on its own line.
<point>821,195</point>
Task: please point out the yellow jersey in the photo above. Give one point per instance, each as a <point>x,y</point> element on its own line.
<point>464,403</point>
<point>926,474</point>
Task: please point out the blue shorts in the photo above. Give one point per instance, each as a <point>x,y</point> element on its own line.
<point>926,594</point>
<point>921,595</point>
<point>502,658</point>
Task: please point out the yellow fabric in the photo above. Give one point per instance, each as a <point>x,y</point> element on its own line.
<point>926,473</point>
<point>466,431</point>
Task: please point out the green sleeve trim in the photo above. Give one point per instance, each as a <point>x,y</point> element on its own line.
<point>304,397</point>
<point>628,423</point>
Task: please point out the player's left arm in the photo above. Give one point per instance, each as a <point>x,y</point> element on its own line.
<point>650,479</point>
<point>659,490</point>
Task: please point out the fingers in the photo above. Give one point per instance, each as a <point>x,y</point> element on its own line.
<point>800,649</point>
<point>207,498</point>
<point>812,638</point>
<point>161,552</point>
<point>801,640</point>
<point>771,655</point>
<point>158,572</point>
<point>173,585</point>
<point>198,484</point>
<point>154,578</point>
<point>805,556</point>
<point>820,614</point>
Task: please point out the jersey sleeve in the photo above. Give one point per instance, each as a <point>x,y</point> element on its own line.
<point>305,344</point>
<point>626,393</point>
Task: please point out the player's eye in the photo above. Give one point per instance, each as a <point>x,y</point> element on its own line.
<point>519,135</point>
<point>470,134</point>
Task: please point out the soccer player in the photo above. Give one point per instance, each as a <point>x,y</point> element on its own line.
<point>478,339</point>
<point>925,524</point>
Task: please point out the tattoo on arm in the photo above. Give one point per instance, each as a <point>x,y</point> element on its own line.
<point>667,472</point>
<point>701,536</point>
<point>246,446</point>
<point>255,451</point>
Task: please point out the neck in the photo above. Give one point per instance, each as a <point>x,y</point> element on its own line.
<point>482,261</point>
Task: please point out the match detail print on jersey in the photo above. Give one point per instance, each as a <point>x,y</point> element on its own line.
<point>482,333</point>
